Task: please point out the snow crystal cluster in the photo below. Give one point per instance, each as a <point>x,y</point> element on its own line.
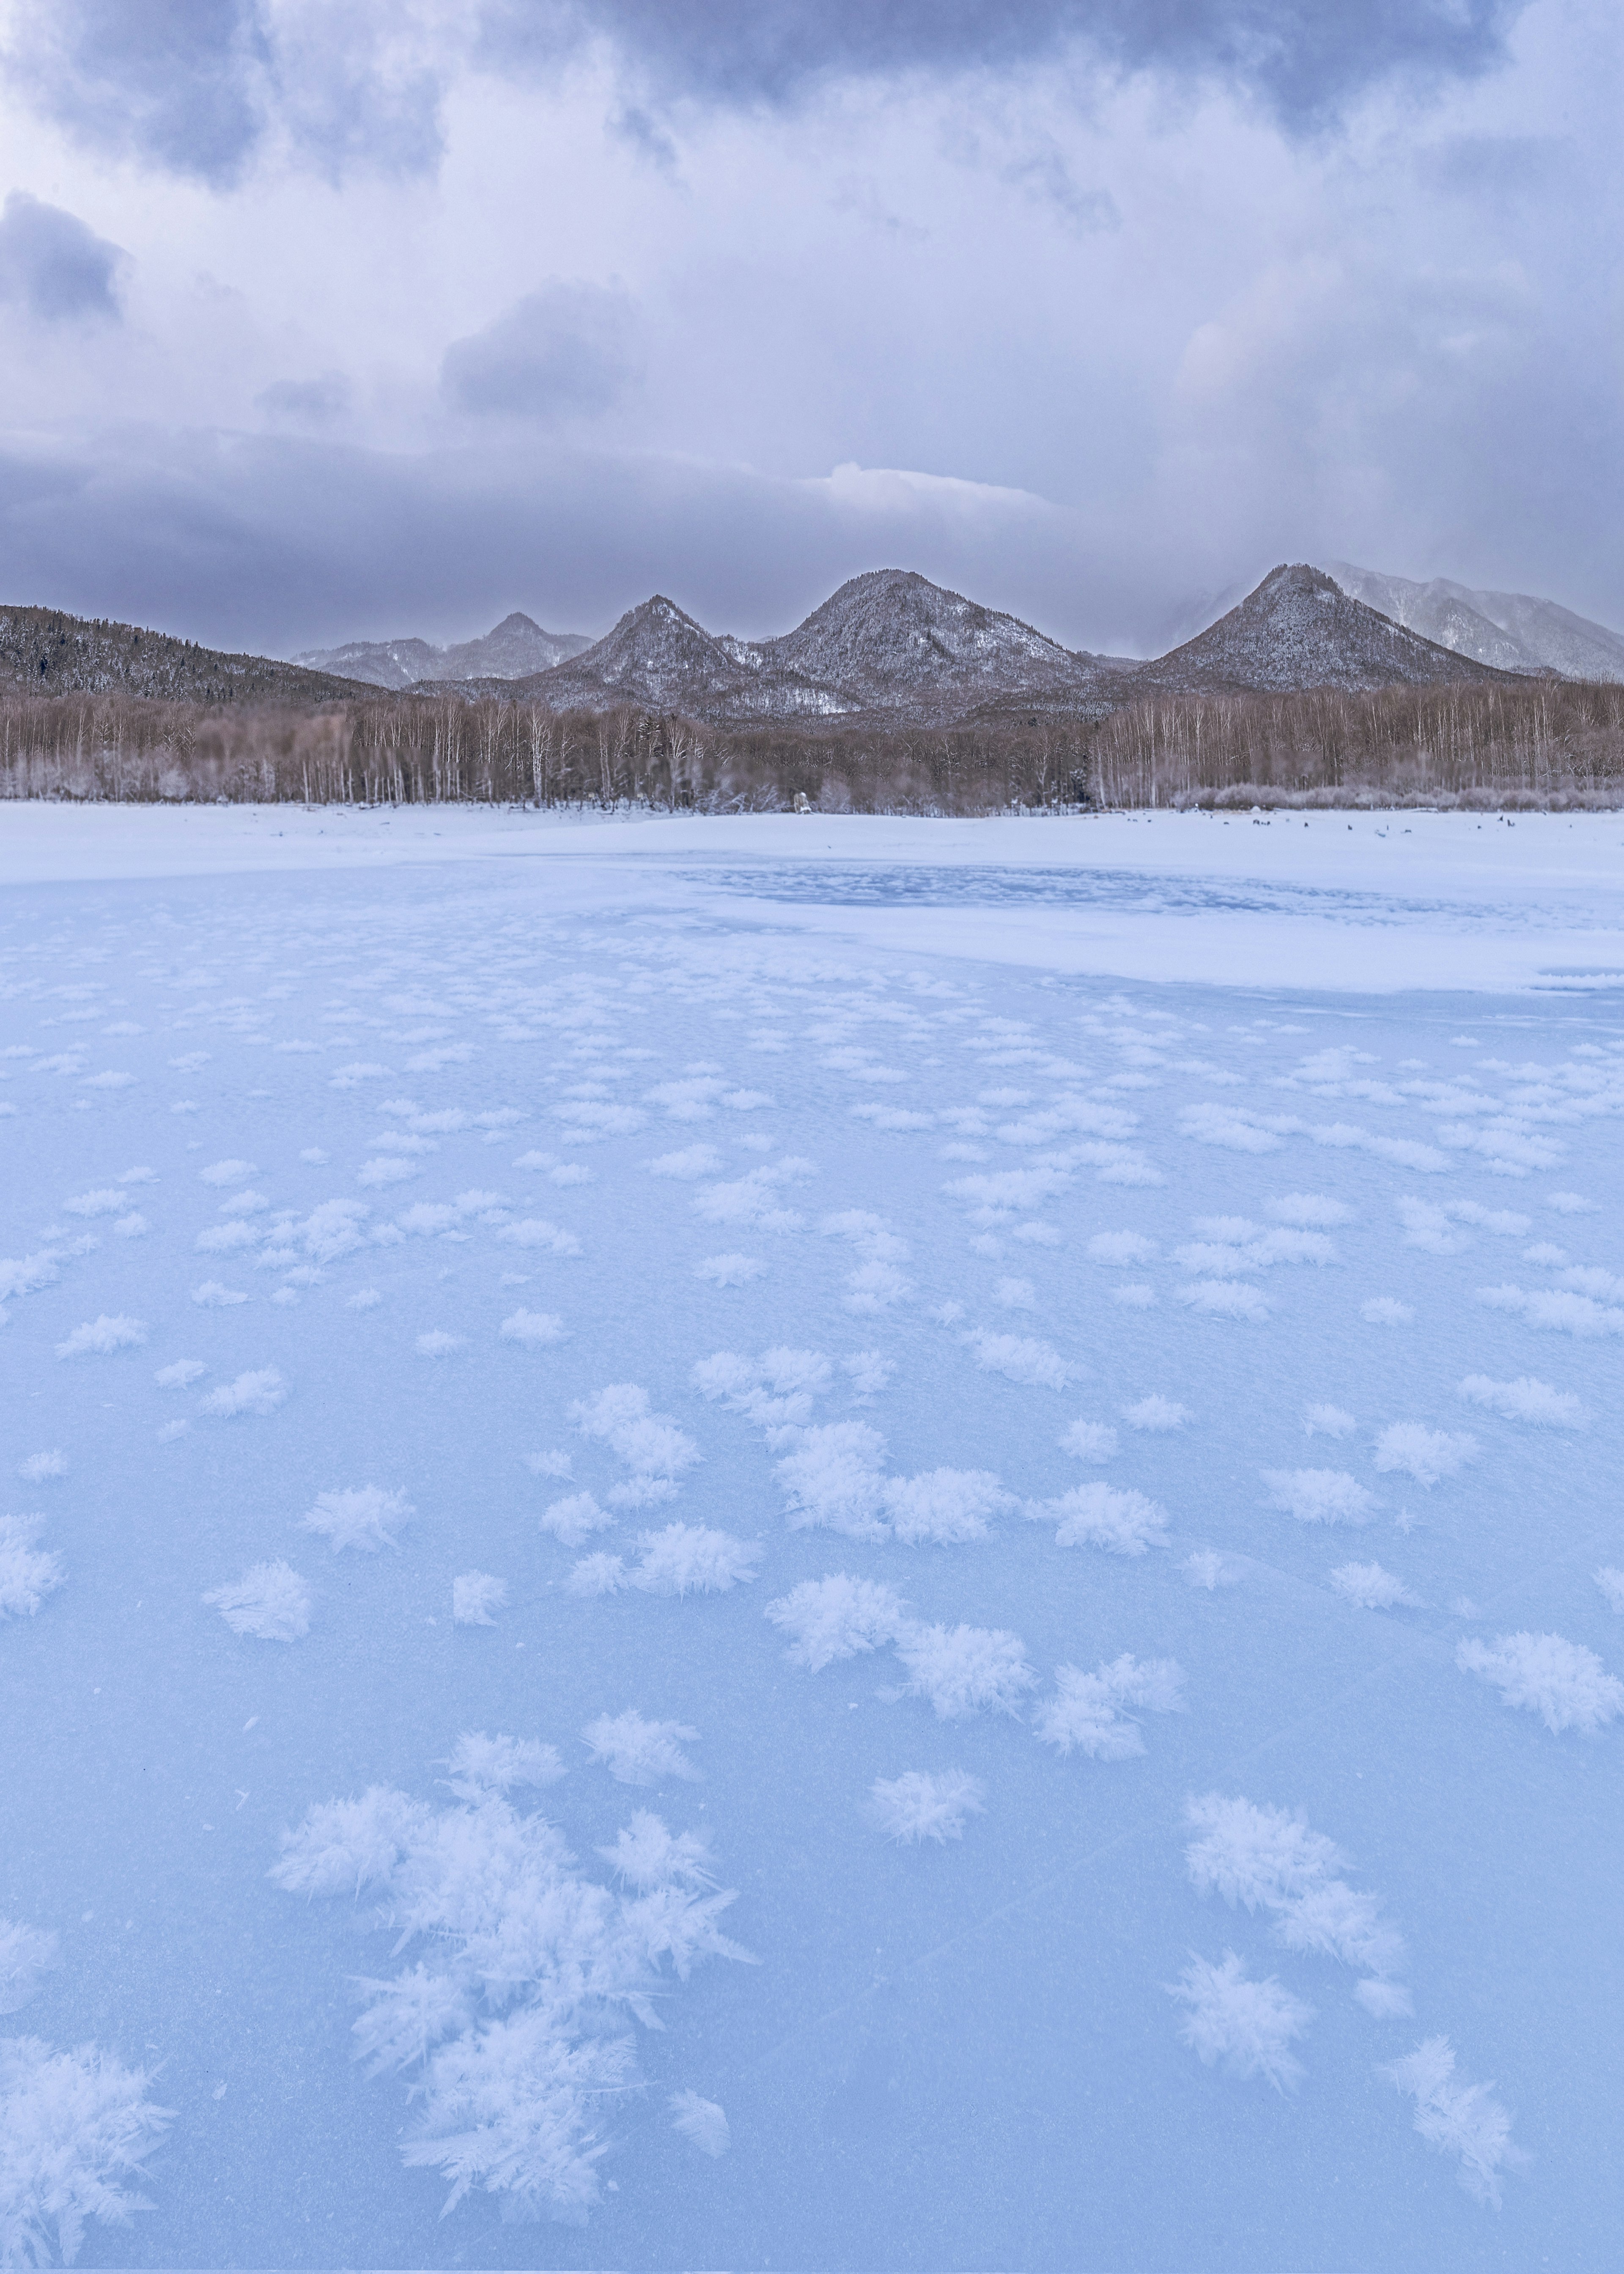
<point>516,2015</point>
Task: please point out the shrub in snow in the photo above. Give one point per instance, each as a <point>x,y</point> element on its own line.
<point>1319,1495</point>
<point>261,1392</point>
<point>597,1575</point>
<point>1457,2118</point>
<point>946,1505</point>
<point>836,1617</point>
<point>101,1336</point>
<point>1247,2026</point>
<point>518,2016</point>
<point>1610,1580</point>
<point>533,1328</point>
<point>918,1805</point>
<point>1020,1359</point>
<point>1088,1712</point>
<point>636,1751</point>
<point>270,1601</point>
<point>1090,1440</point>
<point>961,1669</point>
<point>474,1596</point>
<point>1328,1421</point>
<point>703,2122</point>
<point>655,1451</point>
<point>1372,1588</point>
<point>1099,1515</point>
<point>1562,1682</point>
<point>72,2126</point>
<point>27,1573</point>
<point>575,1519</point>
<point>25,1953</point>
<point>833,1478</point>
<point>1265,1857</point>
<point>1525,1399</point>
<point>481,1766</point>
<point>1426,1455</point>
<point>359,1518</point>
<point>688,1559</point>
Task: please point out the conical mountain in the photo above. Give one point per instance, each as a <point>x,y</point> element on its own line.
<point>656,655</point>
<point>893,640</point>
<point>1300,630</point>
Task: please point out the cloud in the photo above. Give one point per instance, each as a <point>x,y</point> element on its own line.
<point>198,87</point>
<point>1302,60</point>
<point>565,350</point>
<point>51,263</point>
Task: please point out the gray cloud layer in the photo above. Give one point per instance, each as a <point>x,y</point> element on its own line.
<point>52,265</point>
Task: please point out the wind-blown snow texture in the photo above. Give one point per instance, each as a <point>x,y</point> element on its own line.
<point>558,1427</point>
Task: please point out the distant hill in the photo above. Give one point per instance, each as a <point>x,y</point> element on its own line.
<point>44,653</point>
<point>516,648</point>
<point>1300,630</point>
<point>1512,630</point>
<point>889,643</point>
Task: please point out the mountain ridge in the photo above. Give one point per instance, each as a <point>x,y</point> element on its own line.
<point>514,648</point>
<point>1515,631</point>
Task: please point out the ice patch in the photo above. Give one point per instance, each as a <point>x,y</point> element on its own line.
<point>947,1506</point>
<point>730,1270</point>
<point>1386,1311</point>
<point>1036,1365</point>
<point>533,1328</point>
<point>703,2123</point>
<point>27,1953</point>
<point>1098,1516</point>
<point>74,2126</point>
<point>1090,1440</point>
<point>1156,1413</point>
<point>39,1466</point>
<point>1370,1588</point>
<point>574,1520</point>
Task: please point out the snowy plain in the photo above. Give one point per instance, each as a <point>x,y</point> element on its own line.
<point>811,1542</point>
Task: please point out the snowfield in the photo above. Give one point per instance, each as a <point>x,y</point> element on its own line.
<point>811,1542</point>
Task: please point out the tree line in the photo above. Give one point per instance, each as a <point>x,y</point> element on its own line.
<point>1543,741</point>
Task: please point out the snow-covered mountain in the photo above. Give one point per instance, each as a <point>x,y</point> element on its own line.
<point>1515,631</point>
<point>515,649</point>
<point>1300,629</point>
<point>888,642</point>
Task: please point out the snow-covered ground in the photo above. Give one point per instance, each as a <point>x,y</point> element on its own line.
<point>821,1543</point>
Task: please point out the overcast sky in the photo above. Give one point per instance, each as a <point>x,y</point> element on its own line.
<point>336,319</point>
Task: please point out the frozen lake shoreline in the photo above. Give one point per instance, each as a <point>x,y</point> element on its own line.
<point>1007,1397</point>
<point>1368,902</point>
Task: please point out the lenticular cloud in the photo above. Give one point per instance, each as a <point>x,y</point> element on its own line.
<point>517,2016</point>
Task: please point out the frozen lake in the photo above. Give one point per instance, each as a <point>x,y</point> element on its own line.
<point>1037,1404</point>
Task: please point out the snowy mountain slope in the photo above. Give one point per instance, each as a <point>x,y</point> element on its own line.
<point>1299,629</point>
<point>43,652</point>
<point>1515,631</point>
<point>656,654</point>
<point>516,648</point>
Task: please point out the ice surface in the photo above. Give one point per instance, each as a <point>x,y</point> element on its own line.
<point>557,1451</point>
